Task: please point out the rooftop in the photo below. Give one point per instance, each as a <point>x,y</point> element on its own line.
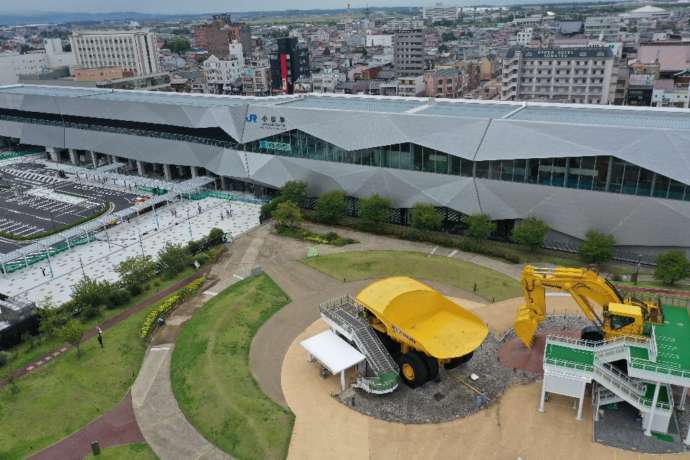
<point>578,114</point>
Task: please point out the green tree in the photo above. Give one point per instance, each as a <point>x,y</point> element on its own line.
<point>374,211</point>
<point>90,295</point>
<point>330,207</point>
<point>51,318</point>
<point>425,217</point>
<point>177,45</point>
<point>671,266</point>
<point>295,191</point>
<point>173,259</point>
<point>530,232</point>
<point>135,272</point>
<point>72,332</point>
<point>288,215</point>
<point>479,226</point>
<point>597,247</point>
<point>216,236</point>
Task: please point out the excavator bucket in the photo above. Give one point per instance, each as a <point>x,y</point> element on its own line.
<point>526,324</point>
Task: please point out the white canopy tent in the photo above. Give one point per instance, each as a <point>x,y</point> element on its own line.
<point>333,353</point>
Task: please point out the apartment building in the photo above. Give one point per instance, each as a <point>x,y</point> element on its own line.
<point>133,50</point>
<point>581,75</point>
<point>439,12</point>
<point>408,52</point>
<point>606,28</point>
<point>256,77</point>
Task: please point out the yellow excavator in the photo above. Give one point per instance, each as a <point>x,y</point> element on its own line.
<point>611,314</point>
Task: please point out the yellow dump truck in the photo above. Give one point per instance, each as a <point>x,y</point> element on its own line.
<point>420,327</point>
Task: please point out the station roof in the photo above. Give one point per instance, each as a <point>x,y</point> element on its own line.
<point>574,114</point>
<point>333,352</point>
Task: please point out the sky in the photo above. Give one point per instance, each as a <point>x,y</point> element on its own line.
<point>186,6</point>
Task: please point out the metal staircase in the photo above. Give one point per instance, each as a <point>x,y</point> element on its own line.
<point>344,315</point>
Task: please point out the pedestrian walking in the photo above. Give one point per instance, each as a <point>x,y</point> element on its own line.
<point>43,270</point>
<point>100,336</point>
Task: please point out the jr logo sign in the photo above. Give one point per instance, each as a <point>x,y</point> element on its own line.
<point>251,118</point>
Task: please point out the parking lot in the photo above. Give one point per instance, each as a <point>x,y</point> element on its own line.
<point>35,200</point>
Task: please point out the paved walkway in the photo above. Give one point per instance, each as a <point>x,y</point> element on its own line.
<point>112,429</point>
<point>162,422</point>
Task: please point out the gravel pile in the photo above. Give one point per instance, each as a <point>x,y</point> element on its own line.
<point>449,398</point>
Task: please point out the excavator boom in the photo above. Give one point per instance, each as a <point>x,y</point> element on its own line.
<point>585,286</point>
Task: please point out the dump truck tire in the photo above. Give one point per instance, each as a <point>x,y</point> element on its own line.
<point>431,366</point>
<point>413,369</point>
<point>455,362</point>
<point>592,333</point>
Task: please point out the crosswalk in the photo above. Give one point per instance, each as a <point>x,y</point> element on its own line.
<point>32,176</point>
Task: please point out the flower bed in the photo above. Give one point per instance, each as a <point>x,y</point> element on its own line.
<point>168,304</point>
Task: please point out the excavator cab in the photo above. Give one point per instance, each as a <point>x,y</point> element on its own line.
<point>622,319</point>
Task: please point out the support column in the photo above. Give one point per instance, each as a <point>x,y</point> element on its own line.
<point>655,400</point>
<point>579,407</point>
<point>223,182</point>
<point>94,160</point>
<point>167,172</point>
<point>52,154</point>
<point>683,397</point>
<point>543,395</point>
<point>195,171</point>
<point>140,167</point>
<point>73,156</point>
<point>342,380</point>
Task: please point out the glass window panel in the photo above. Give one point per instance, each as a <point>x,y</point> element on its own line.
<point>482,169</point>
<point>418,158</point>
<point>429,160</point>
<point>455,165</point>
<point>519,169</point>
<point>558,172</point>
<point>661,186</point>
<point>632,174</point>
<point>466,168</point>
<point>406,157</point>
<point>644,184</point>
<point>573,172</point>
<point>545,168</point>
<point>601,169</point>
<point>495,170</point>
<point>507,170</point>
<point>675,190</point>
<point>616,179</point>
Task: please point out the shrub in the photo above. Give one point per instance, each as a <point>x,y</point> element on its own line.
<point>117,297</point>
<point>671,266</point>
<point>597,247</point>
<point>90,294</point>
<point>479,226</point>
<point>216,236</point>
<point>72,333</point>
<point>425,217</point>
<point>530,232</point>
<point>201,259</point>
<point>330,207</point>
<point>287,215</point>
<point>4,358</point>
<point>168,304</point>
<point>172,259</point>
<point>267,209</point>
<point>135,272</point>
<point>88,311</point>
<point>375,211</point>
<point>295,191</point>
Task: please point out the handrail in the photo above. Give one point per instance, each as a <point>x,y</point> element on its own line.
<point>594,345</point>
<point>643,364</point>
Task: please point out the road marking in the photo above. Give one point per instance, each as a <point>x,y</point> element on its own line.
<point>452,253</point>
<point>211,293</point>
<point>433,251</point>
<point>161,348</point>
<point>238,276</point>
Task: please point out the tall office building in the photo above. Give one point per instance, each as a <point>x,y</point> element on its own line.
<point>581,75</point>
<point>132,50</point>
<point>408,52</point>
<point>289,63</point>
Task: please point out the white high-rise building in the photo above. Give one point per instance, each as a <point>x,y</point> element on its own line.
<point>132,50</point>
<point>221,74</point>
<point>439,12</point>
<point>12,65</point>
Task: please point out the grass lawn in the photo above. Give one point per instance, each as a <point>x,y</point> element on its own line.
<point>30,351</point>
<point>353,266</point>
<point>211,378</point>
<point>68,393</point>
<point>125,452</point>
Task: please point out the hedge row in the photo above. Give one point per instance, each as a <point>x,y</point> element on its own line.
<point>484,247</point>
<point>167,305</point>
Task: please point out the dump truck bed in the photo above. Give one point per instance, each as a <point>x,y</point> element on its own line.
<point>424,317</point>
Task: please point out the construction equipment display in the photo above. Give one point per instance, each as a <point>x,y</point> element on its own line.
<point>402,325</point>
<point>634,352</point>
<point>611,314</point>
